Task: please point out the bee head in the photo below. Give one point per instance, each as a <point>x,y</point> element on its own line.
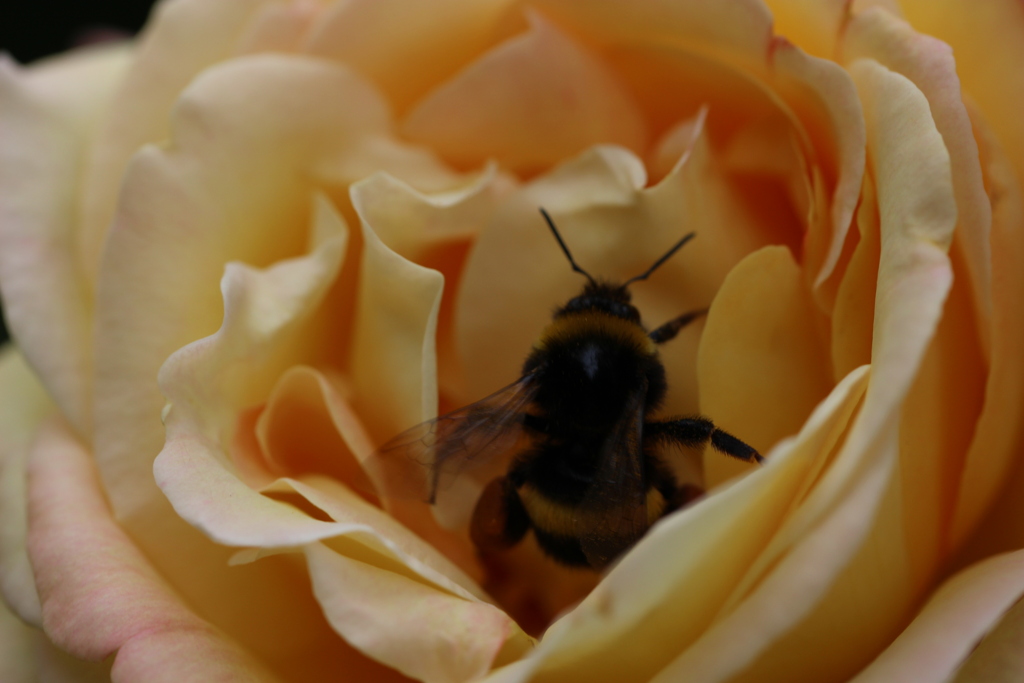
<point>605,296</point>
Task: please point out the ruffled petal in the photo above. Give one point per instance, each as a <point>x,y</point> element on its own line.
<point>48,113</point>
<point>530,102</point>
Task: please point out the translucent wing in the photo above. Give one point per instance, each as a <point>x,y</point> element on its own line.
<point>613,513</point>
<point>475,442</point>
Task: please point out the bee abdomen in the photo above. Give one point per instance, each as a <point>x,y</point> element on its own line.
<point>558,526</point>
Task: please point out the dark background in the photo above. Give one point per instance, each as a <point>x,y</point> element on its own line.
<point>31,29</point>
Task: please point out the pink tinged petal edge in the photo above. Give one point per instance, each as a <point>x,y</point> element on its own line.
<point>99,594</point>
<point>24,404</point>
<point>47,113</point>
<point>929,64</point>
<point>181,39</point>
<point>529,103</point>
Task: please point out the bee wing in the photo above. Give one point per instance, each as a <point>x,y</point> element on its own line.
<point>469,441</point>
<point>618,494</point>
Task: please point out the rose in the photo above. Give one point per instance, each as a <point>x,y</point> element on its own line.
<point>884,481</point>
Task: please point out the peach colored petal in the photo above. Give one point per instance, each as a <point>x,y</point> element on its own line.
<point>739,33</point>
<point>407,57</point>
<point>232,187</point>
<point>666,591</point>
<point>278,27</point>
<point>48,113</point>
<point>182,38</point>
<point>929,64</point>
<point>946,630</point>
<point>24,404</point>
<point>740,29</point>
<point>529,103</point>
<point>615,228</point>
<point>762,365</point>
<point>99,594</point>
<point>987,513</point>
<point>422,632</point>
<point>813,25</point>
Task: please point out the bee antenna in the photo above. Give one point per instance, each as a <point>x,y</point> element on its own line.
<point>665,257</point>
<point>575,267</point>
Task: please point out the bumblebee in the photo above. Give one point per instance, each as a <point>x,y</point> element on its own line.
<point>569,450</point>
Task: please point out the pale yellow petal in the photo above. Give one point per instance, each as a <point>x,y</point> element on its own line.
<point>408,56</point>
<point>48,113</point>
<point>669,588</point>
<point>424,633</point>
<point>394,371</point>
<point>929,64</point>
<point>998,657</point>
<point>24,404</point>
<point>182,38</point>
<point>529,103</point>
<point>762,364</point>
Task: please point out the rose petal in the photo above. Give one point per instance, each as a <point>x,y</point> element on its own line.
<point>665,592</point>
<point>947,629</point>
<point>762,366</point>
<point>48,113</point>
<point>988,40</point>
<point>423,633</point>
<point>99,595</point>
<point>278,27</point>
<point>997,658</point>
<point>24,404</point>
<point>246,133</point>
<point>812,24</point>
<point>616,229</point>
<point>929,64</point>
<point>181,39</point>
<point>434,230</point>
<point>406,58</point>
<point>986,515</point>
<point>529,103</point>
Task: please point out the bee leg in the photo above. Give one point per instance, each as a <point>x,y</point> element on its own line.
<point>499,518</point>
<point>698,431</point>
<point>670,329</point>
